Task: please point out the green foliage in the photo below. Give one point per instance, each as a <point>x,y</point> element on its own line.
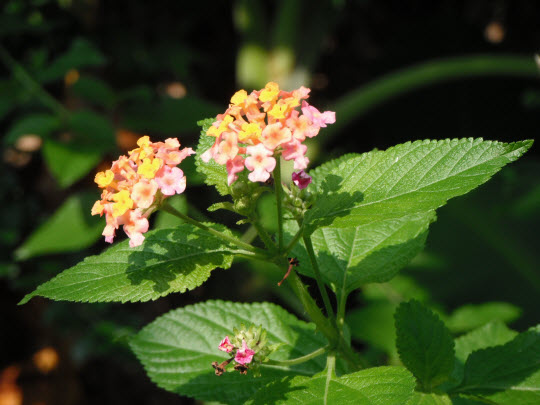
<point>410,178</point>
<point>168,261</point>
<point>92,131</point>
<point>166,220</point>
<point>178,348</point>
<point>421,398</point>
<point>380,385</point>
<point>81,54</point>
<point>71,228</point>
<point>506,374</point>
<point>214,173</point>
<point>424,344</point>
<point>35,124</point>
<point>95,91</point>
<point>471,317</point>
<point>68,162</point>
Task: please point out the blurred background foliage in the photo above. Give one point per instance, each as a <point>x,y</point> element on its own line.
<point>81,80</point>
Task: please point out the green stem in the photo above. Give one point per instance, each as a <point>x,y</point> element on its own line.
<point>249,235</point>
<point>298,360</point>
<point>31,85</point>
<point>231,239</point>
<point>279,198</point>
<point>340,319</point>
<point>265,237</point>
<point>317,273</point>
<point>295,239</point>
<point>360,101</point>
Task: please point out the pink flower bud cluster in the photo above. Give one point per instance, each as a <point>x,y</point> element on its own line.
<point>136,185</point>
<point>260,126</point>
<point>244,355</point>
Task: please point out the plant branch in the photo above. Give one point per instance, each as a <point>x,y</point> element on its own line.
<point>279,197</point>
<point>317,273</point>
<point>265,237</point>
<point>295,239</point>
<point>231,239</point>
<point>298,360</point>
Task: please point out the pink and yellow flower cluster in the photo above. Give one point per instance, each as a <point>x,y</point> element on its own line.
<point>260,126</point>
<point>135,186</point>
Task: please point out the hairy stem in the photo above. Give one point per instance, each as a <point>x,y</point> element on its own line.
<point>231,239</point>
<point>265,237</point>
<point>299,360</point>
<point>295,239</point>
<point>317,273</point>
<point>279,197</point>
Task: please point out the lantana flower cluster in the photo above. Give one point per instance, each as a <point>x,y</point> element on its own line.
<point>137,184</point>
<point>260,126</point>
<point>248,348</point>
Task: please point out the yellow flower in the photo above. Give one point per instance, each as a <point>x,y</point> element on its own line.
<point>103,179</point>
<point>250,131</point>
<point>278,111</point>
<point>122,203</point>
<point>213,131</point>
<point>239,97</point>
<point>149,167</point>
<point>270,92</point>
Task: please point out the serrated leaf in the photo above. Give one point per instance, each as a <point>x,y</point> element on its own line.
<point>81,54</point>
<point>169,260</point>
<point>491,334</point>
<point>214,173</point>
<point>34,124</point>
<point>70,228</point>
<point>507,374</point>
<point>178,348</point>
<point>373,386</point>
<point>68,162</point>
<point>405,179</point>
<point>421,398</point>
<point>424,344</point>
<point>470,317</point>
<point>372,252</point>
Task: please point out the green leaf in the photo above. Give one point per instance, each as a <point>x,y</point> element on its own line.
<point>405,179</point>
<point>68,162</point>
<point>507,374</point>
<point>169,260</point>
<point>71,228</point>
<point>421,398</point>
<point>471,317</point>
<point>81,54</point>
<point>424,344</point>
<point>373,386</point>
<point>35,124</point>
<point>95,91</point>
<point>372,252</point>
<point>177,349</point>
<point>214,173</point>
<point>92,131</point>
<point>491,334</point>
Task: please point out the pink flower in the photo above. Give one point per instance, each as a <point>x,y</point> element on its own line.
<point>301,126</point>
<point>244,355</point>
<point>297,151</point>
<point>301,179</point>
<point>234,166</point>
<point>316,117</point>
<point>171,181</point>
<point>228,148</point>
<point>135,228</point>
<point>260,162</point>
<point>143,193</point>
<point>274,135</point>
<point>226,345</point>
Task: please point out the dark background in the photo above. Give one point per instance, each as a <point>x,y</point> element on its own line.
<point>158,67</point>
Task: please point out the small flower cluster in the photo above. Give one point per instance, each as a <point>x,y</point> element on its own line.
<point>248,348</point>
<point>259,126</point>
<point>136,185</point>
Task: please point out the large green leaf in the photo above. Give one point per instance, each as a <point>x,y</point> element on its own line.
<point>373,386</point>
<point>405,179</point>
<point>469,317</point>
<point>169,260</point>
<point>70,228</point>
<point>177,350</point>
<point>371,252</point>
<point>68,162</point>
<point>424,344</point>
<point>92,131</point>
<point>507,374</point>
<point>421,398</point>
<point>214,173</point>
<point>95,91</point>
